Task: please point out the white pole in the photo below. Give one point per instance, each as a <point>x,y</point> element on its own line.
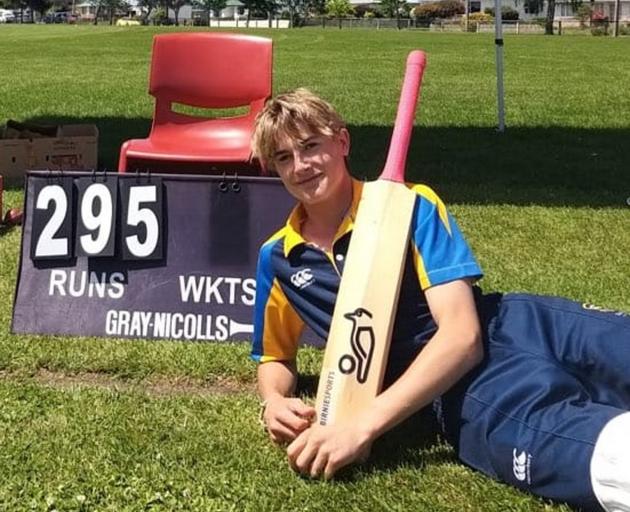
<point>498,41</point>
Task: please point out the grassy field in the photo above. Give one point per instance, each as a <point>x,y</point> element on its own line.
<point>95,424</point>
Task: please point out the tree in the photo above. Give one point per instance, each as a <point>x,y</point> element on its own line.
<point>147,7</point>
<point>110,6</point>
<point>250,5</point>
<point>271,7</point>
<point>393,9</point>
<point>427,12</point>
<point>584,14</point>
<point>294,8</point>
<point>315,7</point>
<point>551,13</point>
<point>338,9</point>
<point>176,5</point>
<point>211,6</point>
<point>21,5</point>
<point>99,4</point>
<point>39,6</point>
<point>18,4</point>
<point>256,8</point>
<point>114,6</point>
<point>300,9</point>
<point>507,13</point>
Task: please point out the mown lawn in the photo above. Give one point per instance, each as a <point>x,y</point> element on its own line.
<point>95,424</point>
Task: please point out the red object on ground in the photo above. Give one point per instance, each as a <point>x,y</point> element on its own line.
<point>13,217</point>
<point>204,70</point>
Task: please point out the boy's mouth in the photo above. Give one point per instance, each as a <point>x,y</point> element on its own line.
<point>308,180</point>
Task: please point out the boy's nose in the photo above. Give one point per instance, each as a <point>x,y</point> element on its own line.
<point>299,162</point>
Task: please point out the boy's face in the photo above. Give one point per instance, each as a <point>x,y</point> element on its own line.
<point>312,166</point>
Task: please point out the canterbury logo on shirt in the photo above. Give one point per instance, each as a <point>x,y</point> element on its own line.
<point>303,278</point>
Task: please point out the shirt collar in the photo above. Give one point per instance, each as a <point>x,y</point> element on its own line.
<point>293,228</point>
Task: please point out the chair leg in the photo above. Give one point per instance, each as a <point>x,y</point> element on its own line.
<point>122,161</point>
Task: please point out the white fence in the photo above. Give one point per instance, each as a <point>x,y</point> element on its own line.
<point>242,23</point>
<point>509,27</point>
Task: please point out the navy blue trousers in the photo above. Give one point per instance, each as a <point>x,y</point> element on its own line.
<point>554,373</point>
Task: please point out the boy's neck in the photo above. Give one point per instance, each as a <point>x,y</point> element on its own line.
<point>323,220</point>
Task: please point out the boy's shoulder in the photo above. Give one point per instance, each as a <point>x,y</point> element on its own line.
<point>271,249</point>
<point>425,192</point>
<point>273,241</point>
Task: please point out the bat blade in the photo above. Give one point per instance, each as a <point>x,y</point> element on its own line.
<point>358,342</point>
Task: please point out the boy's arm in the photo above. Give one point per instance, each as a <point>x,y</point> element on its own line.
<point>454,349</point>
<point>284,416</point>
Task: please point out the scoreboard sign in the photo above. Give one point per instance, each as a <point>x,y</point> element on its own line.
<point>143,256</point>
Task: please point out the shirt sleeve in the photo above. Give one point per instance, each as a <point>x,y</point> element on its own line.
<point>277,327</point>
<point>441,254</point>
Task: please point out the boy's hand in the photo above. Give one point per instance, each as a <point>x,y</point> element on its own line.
<point>324,450</point>
<point>285,418</point>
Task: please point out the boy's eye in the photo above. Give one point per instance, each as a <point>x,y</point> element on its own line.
<point>310,144</point>
<point>282,158</point>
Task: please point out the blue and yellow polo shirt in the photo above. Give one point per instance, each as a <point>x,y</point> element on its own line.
<point>297,283</point>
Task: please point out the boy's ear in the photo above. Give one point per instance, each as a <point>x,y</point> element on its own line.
<point>344,137</point>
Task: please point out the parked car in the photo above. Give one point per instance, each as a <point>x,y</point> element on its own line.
<point>6,16</point>
<point>60,17</point>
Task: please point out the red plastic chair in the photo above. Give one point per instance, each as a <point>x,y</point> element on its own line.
<point>206,70</point>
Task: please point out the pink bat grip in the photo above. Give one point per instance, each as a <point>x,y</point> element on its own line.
<point>395,164</point>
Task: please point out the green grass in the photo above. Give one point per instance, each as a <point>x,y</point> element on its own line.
<point>85,449</point>
<point>543,205</point>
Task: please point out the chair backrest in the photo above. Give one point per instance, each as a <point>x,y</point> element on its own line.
<point>211,70</point>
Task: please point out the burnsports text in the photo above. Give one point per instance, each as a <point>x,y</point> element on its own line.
<point>187,326</point>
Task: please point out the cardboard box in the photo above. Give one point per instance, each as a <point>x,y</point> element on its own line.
<point>75,147</point>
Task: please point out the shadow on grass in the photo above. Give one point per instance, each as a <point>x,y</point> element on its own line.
<point>522,166</point>
<point>415,442</point>
<point>539,166</point>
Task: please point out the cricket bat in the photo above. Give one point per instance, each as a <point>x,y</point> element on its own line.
<point>358,342</point>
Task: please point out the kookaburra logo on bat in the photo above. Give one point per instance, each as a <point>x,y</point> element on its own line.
<point>362,344</point>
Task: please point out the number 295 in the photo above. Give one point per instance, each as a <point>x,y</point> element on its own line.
<point>95,232</point>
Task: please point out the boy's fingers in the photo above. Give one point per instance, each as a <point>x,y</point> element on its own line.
<point>295,448</point>
<point>300,408</point>
<point>308,412</point>
<point>319,464</point>
<point>280,434</point>
<point>305,458</point>
<point>330,470</point>
<point>291,420</point>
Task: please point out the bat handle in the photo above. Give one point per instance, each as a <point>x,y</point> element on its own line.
<point>395,164</point>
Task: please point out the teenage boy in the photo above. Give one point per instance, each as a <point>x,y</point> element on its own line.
<point>533,391</point>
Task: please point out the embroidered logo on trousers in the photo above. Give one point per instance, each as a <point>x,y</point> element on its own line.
<point>521,465</point>
<point>593,307</point>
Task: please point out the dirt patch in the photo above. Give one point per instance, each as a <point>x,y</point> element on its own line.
<point>153,386</point>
